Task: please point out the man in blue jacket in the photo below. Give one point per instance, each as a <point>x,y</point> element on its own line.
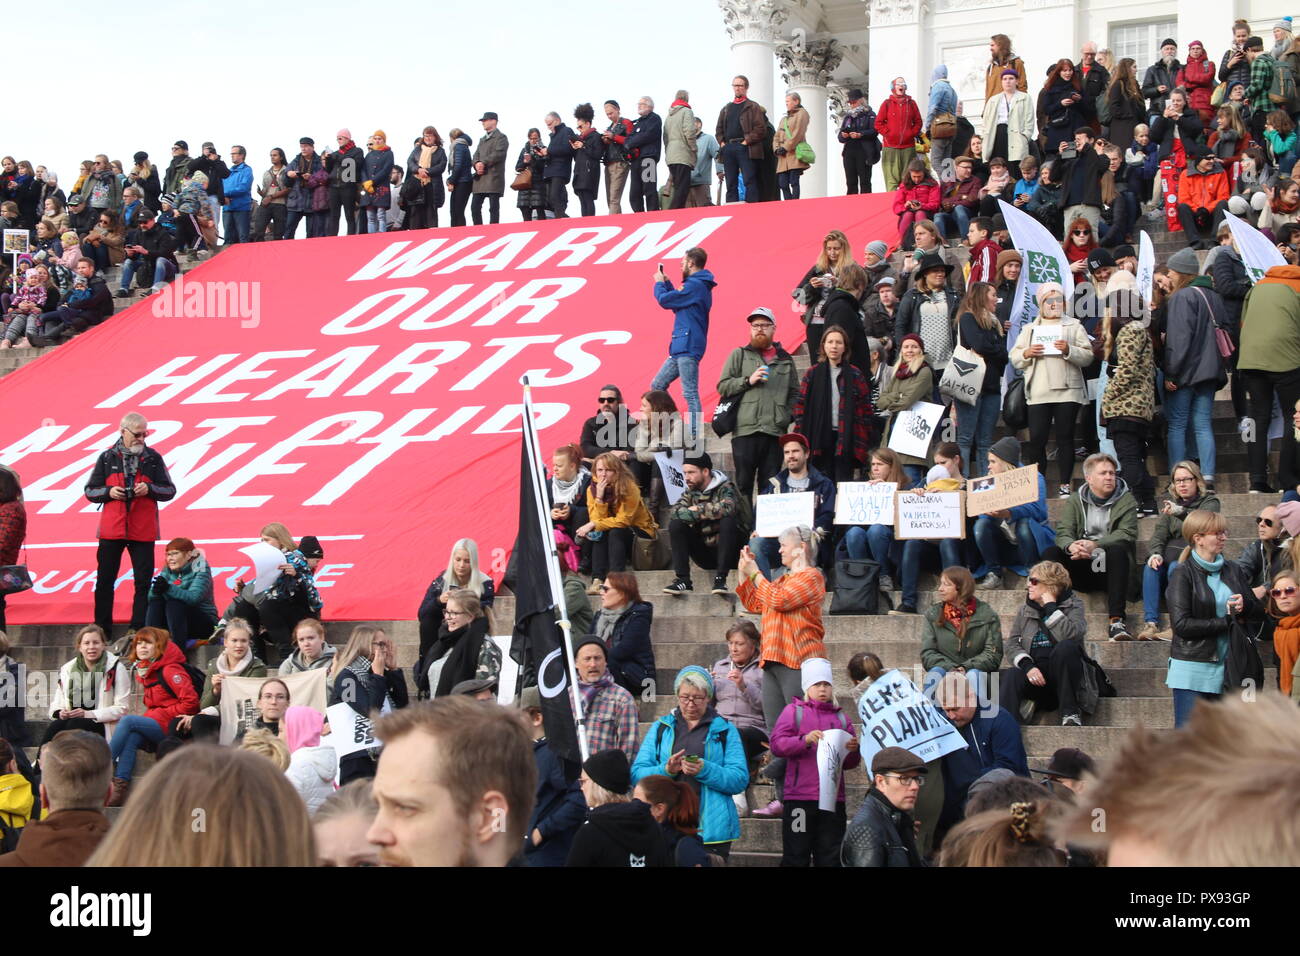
<point>238,187</point>
<point>690,305</point>
<point>643,148</point>
<point>992,737</point>
<point>559,164</point>
<point>560,808</point>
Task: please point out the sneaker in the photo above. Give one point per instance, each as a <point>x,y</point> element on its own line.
<point>1072,720</point>
<point>122,294</point>
<point>1166,635</point>
<point>1243,427</point>
<point>990,582</point>
<point>1051,453</point>
<point>218,636</point>
<point>679,586</point>
<point>903,609</point>
<point>1262,488</point>
<point>1081,453</point>
<point>1119,630</point>
<point>720,584</point>
<point>594,586</point>
<point>1148,510</point>
<point>1209,483</point>
<point>1148,631</point>
<point>773,809</point>
<point>887,583</point>
<point>1027,709</point>
<point>1063,492</point>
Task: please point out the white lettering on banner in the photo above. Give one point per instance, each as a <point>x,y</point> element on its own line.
<point>776,513</point>
<point>651,240</point>
<point>580,244</point>
<point>539,307</point>
<point>538,298</point>
<point>495,256</point>
<point>509,420</point>
<point>402,263</point>
<point>174,384</point>
<point>246,370</point>
<point>183,460</point>
<point>507,349</point>
<point>865,502</point>
<point>344,364</point>
<point>935,514</point>
<point>417,373</point>
<point>420,321</point>
<point>895,714</point>
<point>581,364</point>
<point>342,324</point>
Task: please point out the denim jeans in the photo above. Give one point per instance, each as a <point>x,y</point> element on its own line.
<point>1191,407</point>
<point>978,682</point>
<point>960,217</point>
<point>915,551</point>
<point>1153,585</point>
<point>376,219</point>
<point>163,271</point>
<point>688,367</point>
<point>737,164</point>
<point>132,732</point>
<point>1185,702</point>
<point>975,424</point>
<point>237,225</point>
<point>788,183</point>
<point>767,555</point>
<point>998,553</point>
<point>873,542</point>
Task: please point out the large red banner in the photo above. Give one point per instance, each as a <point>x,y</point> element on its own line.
<point>366,389</point>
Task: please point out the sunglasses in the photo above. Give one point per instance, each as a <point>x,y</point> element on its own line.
<point>1282,592</point>
<point>1266,522</point>
<point>1082,232</point>
<point>607,400</point>
<point>1034,581</point>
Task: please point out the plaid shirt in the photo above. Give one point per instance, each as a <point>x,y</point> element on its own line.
<point>1261,78</point>
<point>792,615</point>
<point>855,411</point>
<point>612,722</point>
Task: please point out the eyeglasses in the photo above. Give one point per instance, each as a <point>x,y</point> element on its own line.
<point>607,400</point>
<point>691,698</point>
<point>762,326</point>
<point>275,697</point>
<point>1034,581</point>
<point>136,434</point>
<point>906,781</point>
<point>1266,522</point>
<point>1282,592</point>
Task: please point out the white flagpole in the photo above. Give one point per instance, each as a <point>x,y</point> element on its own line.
<point>553,565</point>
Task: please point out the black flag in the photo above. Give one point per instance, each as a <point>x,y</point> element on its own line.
<point>538,643</point>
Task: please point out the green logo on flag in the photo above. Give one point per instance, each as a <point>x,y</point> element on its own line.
<point>1255,273</point>
<point>1043,268</point>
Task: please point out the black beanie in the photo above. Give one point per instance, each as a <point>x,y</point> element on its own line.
<point>310,547</point>
<point>583,640</point>
<point>609,769</point>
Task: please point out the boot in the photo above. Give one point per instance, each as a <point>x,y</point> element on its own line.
<point>117,796</point>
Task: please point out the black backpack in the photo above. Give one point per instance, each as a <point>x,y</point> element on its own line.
<point>196,676</point>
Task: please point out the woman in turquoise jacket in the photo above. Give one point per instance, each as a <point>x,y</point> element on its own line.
<point>695,744</point>
<point>180,599</point>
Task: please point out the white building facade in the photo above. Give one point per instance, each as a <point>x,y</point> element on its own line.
<point>822,48</point>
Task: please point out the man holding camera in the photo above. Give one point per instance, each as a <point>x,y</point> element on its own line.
<point>129,480</point>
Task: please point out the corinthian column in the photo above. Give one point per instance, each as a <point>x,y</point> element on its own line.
<point>754,27</point>
<point>807,67</point>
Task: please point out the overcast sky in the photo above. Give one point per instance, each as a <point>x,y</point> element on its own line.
<point>264,74</point>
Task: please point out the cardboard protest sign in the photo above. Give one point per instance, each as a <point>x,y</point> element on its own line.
<point>1000,492</point>
<point>350,732</point>
<point>865,503</point>
<point>239,698</point>
<point>895,714</point>
<point>914,429</point>
<point>775,513</point>
<point>934,514</point>
<point>670,469</point>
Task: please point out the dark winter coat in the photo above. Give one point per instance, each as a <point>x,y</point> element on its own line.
<point>1191,352</point>
<point>1156,76</point>
<point>437,166</point>
<point>630,652</point>
<point>880,835</point>
<point>345,167</point>
<point>619,834</point>
<point>557,813</point>
<point>1162,131</point>
<point>586,162</point>
<point>132,519</point>
<point>1232,284</point>
<point>647,137</point>
<point>559,154</point>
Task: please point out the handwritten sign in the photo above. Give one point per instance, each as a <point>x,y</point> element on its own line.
<point>895,714</point>
<point>1047,336</point>
<point>934,514</point>
<point>831,751</point>
<point>864,503</point>
<point>670,469</point>
<point>775,513</point>
<point>1019,486</point>
<point>914,428</point>
<point>350,732</point>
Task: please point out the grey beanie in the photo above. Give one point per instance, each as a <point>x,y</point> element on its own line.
<point>1286,23</point>
<point>1007,449</point>
<point>879,247</point>
<point>1185,261</point>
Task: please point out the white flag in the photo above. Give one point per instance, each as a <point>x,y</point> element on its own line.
<point>1044,261</point>
<point>1257,253</point>
<point>1146,267</point>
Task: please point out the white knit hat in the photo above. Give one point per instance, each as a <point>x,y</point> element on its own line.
<point>813,671</point>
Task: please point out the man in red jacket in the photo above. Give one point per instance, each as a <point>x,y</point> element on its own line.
<point>128,480</point>
<point>899,123</point>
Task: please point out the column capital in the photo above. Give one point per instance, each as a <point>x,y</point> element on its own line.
<point>753,19</point>
<point>837,101</point>
<point>888,13</point>
<point>808,63</point>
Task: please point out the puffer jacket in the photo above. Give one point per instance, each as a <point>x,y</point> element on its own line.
<point>980,649</point>
<point>168,692</point>
<point>880,835</point>
<point>797,720</point>
<point>311,771</point>
<point>1167,537</point>
<point>114,696</point>
<point>723,772</point>
<point>192,585</point>
<point>1193,611</point>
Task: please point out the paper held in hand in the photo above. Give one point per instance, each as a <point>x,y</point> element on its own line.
<point>914,428</point>
<point>832,748</point>
<point>266,560</point>
<point>895,714</point>
<point>1019,486</point>
<point>934,514</point>
<point>864,503</point>
<point>1047,336</point>
<point>775,513</point>
<point>670,469</point>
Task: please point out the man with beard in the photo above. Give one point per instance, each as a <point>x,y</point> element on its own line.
<point>455,784</point>
<point>690,306</point>
<point>128,480</point>
<point>1161,79</point>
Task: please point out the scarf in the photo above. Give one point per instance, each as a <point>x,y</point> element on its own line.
<point>958,617</point>
<point>84,692</point>
<point>347,146</point>
<point>130,465</point>
<point>740,99</point>
<point>817,410</point>
<point>904,370</point>
<point>1221,591</point>
<point>856,110</point>
<point>589,691</point>
<point>563,492</point>
<point>687,105</point>
<point>461,648</point>
<point>606,621</point>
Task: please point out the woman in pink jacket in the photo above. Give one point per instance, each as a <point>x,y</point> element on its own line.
<point>917,199</point>
<point>808,833</point>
